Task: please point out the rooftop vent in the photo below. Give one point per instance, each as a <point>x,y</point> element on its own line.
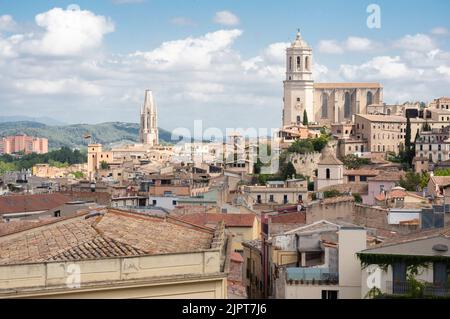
<point>440,248</point>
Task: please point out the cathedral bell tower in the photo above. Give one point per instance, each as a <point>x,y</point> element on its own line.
<point>299,84</point>
<point>148,133</point>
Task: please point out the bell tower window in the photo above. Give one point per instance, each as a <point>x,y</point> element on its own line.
<point>298,63</point>
<point>290,63</point>
<point>307,63</point>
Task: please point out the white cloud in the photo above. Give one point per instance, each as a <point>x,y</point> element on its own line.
<point>445,70</point>
<point>350,44</point>
<point>358,44</point>
<point>182,21</point>
<point>68,32</point>
<point>69,86</point>
<point>378,68</point>
<point>226,18</point>
<point>330,47</point>
<point>190,53</point>
<point>440,31</point>
<point>7,23</point>
<point>417,42</point>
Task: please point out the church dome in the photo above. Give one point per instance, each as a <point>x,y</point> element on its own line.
<point>299,42</point>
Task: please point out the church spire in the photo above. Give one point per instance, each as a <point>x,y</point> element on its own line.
<point>149,128</point>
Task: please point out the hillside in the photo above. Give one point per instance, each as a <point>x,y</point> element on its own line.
<point>73,135</point>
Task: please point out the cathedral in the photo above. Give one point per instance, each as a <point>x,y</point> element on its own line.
<point>148,133</point>
<point>325,103</point>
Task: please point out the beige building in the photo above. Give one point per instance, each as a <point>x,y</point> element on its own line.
<point>330,171</point>
<point>275,193</point>
<point>434,145</point>
<point>323,102</point>
<point>385,133</point>
<point>441,103</point>
<point>115,254</point>
<point>316,261</point>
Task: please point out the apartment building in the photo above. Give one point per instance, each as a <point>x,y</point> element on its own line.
<point>434,145</point>
<point>23,143</point>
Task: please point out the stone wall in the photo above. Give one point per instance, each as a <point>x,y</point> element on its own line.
<point>305,164</point>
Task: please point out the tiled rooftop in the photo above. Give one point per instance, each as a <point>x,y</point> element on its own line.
<point>31,203</point>
<point>116,233</point>
<point>230,220</point>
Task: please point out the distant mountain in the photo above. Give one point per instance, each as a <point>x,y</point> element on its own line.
<point>44,120</point>
<point>108,134</point>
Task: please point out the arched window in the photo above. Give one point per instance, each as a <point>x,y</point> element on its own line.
<point>290,63</point>
<point>307,63</point>
<point>369,98</point>
<point>299,120</point>
<point>388,112</point>
<point>298,63</point>
<point>324,105</point>
<point>327,173</point>
<point>347,106</point>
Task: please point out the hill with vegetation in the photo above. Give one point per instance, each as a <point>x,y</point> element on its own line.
<point>72,136</point>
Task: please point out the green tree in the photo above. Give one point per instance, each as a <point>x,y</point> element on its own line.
<point>7,167</point>
<point>104,165</point>
<point>288,171</point>
<point>305,118</point>
<point>410,181</point>
<point>408,134</point>
<point>357,197</point>
<point>352,161</point>
<point>442,172</point>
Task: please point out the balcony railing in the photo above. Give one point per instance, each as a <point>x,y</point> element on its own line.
<point>425,290</point>
<point>311,275</point>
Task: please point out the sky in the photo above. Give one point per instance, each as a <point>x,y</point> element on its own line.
<point>219,61</point>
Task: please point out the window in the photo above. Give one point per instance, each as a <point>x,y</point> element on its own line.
<point>290,63</point>
<point>271,198</point>
<point>327,173</point>
<point>307,63</point>
<point>258,199</point>
<point>351,178</point>
<point>324,105</point>
<point>369,98</point>
<point>57,213</point>
<point>154,202</point>
<point>347,105</point>
<point>285,199</point>
<point>363,178</point>
<point>174,202</point>
<point>298,63</point>
<point>329,294</point>
<point>298,119</point>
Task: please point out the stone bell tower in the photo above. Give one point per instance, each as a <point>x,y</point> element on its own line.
<point>299,84</point>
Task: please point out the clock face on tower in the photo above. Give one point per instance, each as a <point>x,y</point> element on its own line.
<point>298,106</point>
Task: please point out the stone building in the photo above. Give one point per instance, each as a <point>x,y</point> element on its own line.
<point>330,171</point>
<point>149,122</point>
<point>323,102</point>
<point>115,254</point>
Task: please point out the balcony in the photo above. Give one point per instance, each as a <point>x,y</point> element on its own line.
<point>405,288</point>
<point>320,276</point>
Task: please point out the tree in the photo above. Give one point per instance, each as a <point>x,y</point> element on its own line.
<point>288,171</point>
<point>408,135</point>
<point>357,197</point>
<point>104,165</point>
<point>411,181</point>
<point>305,118</point>
<point>442,172</point>
<point>352,161</point>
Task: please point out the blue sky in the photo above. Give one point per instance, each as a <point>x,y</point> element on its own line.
<point>217,68</point>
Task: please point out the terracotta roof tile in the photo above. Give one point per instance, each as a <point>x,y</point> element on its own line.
<point>116,233</point>
<point>31,203</point>
<point>230,220</point>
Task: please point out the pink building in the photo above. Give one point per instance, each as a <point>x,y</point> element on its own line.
<point>27,144</point>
